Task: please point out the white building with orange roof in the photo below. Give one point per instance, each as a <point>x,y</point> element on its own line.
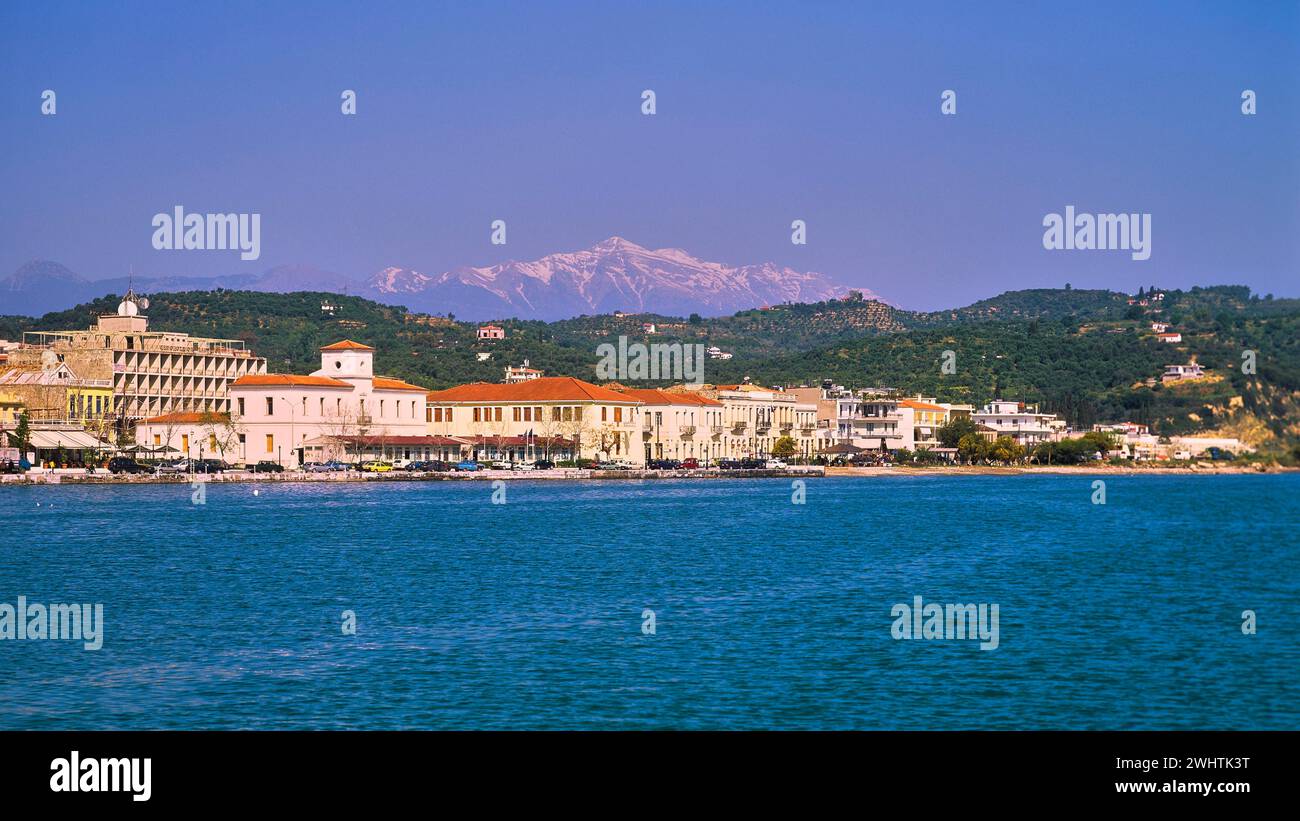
<point>919,421</point>
<point>551,416</point>
<point>275,415</point>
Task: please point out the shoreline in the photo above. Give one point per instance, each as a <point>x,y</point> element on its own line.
<point>575,474</point>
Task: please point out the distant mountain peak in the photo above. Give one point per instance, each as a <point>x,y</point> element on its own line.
<point>614,274</point>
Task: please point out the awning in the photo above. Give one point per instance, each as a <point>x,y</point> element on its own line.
<point>67,439</point>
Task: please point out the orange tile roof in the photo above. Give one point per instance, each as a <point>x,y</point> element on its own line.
<point>271,379</point>
<point>653,396</point>
<point>347,345</point>
<point>187,417</point>
<point>385,383</point>
<point>542,389</point>
<point>913,403</point>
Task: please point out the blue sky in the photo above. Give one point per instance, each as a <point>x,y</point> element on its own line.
<point>767,112</point>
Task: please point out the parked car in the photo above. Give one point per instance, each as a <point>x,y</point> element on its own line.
<point>663,464</point>
<point>691,464</point>
<point>523,466</point>
<point>316,467</point>
<point>617,464</point>
<point>436,466</point>
<point>174,466</point>
<point>775,464</point>
<point>502,464</point>
<point>543,464</point>
<point>267,467</point>
<point>10,466</point>
<point>377,466</point>
<point>413,466</point>
<point>125,464</point>
<point>467,465</point>
<point>210,466</point>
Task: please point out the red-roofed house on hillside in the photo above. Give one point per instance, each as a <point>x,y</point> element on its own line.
<point>491,332</point>
<point>273,415</point>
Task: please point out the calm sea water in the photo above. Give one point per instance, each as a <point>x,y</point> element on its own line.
<point>768,614</point>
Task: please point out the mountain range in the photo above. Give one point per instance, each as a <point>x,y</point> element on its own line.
<point>612,275</point>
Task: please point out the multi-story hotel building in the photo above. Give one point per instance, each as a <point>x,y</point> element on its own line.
<point>555,416</point>
<point>151,372</point>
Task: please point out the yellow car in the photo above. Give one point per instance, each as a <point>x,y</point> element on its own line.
<point>377,467</point>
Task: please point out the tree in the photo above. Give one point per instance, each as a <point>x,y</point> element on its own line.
<point>22,435</point>
<point>959,426</point>
<point>784,448</point>
<point>973,448</point>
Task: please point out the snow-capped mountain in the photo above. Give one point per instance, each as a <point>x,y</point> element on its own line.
<point>616,274</point>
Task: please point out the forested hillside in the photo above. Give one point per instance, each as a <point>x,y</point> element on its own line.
<point>1091,356</point>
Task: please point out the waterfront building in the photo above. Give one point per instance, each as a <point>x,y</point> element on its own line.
<point>54,393</point>
<point>11,407</point>
<point>555,416</point>
<point>678,424</point>
<point>276,413</point>
<point>150,372</point>
<point>491,332</point>
<point>1023,423</point>
<point>754,418</point>
<point>869,419</point>
<point>919,421</point>
<point>1171,337</point>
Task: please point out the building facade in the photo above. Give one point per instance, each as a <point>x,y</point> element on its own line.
<point>1023,423</point>
<point>547,417</point>
<point>150,372</point>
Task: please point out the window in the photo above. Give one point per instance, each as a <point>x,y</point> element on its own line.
<point>304,405</point>
<point>428,415</point>
<point>437,414</point>
<point>537,414</point>
<point>240,404</point>
<point>270,443</point>
<point>477,412</point>
<point>157,439</point>
<point>212,442</point>
<point>518,413</point>
<point>604,413</point>
<point>270,406</point>
<point>322,406</point>
<point>555,414</point>
<point>498,415</point>
<point>618,414</point>
<point>528,414</point>
<point>448,414</point>
<point>185,442</point>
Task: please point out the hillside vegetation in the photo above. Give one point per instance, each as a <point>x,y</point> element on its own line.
<point>1088,355</point>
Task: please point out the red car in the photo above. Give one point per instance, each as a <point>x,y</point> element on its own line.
<point>690,464</point>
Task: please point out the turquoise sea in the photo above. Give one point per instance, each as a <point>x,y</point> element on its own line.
<point>767,614</point>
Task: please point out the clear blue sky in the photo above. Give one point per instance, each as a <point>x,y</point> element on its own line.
<point>767,112</point>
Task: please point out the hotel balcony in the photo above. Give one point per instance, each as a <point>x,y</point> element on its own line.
<point>716,430</point>
<point>687,431</point>
<point>738,428</point>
